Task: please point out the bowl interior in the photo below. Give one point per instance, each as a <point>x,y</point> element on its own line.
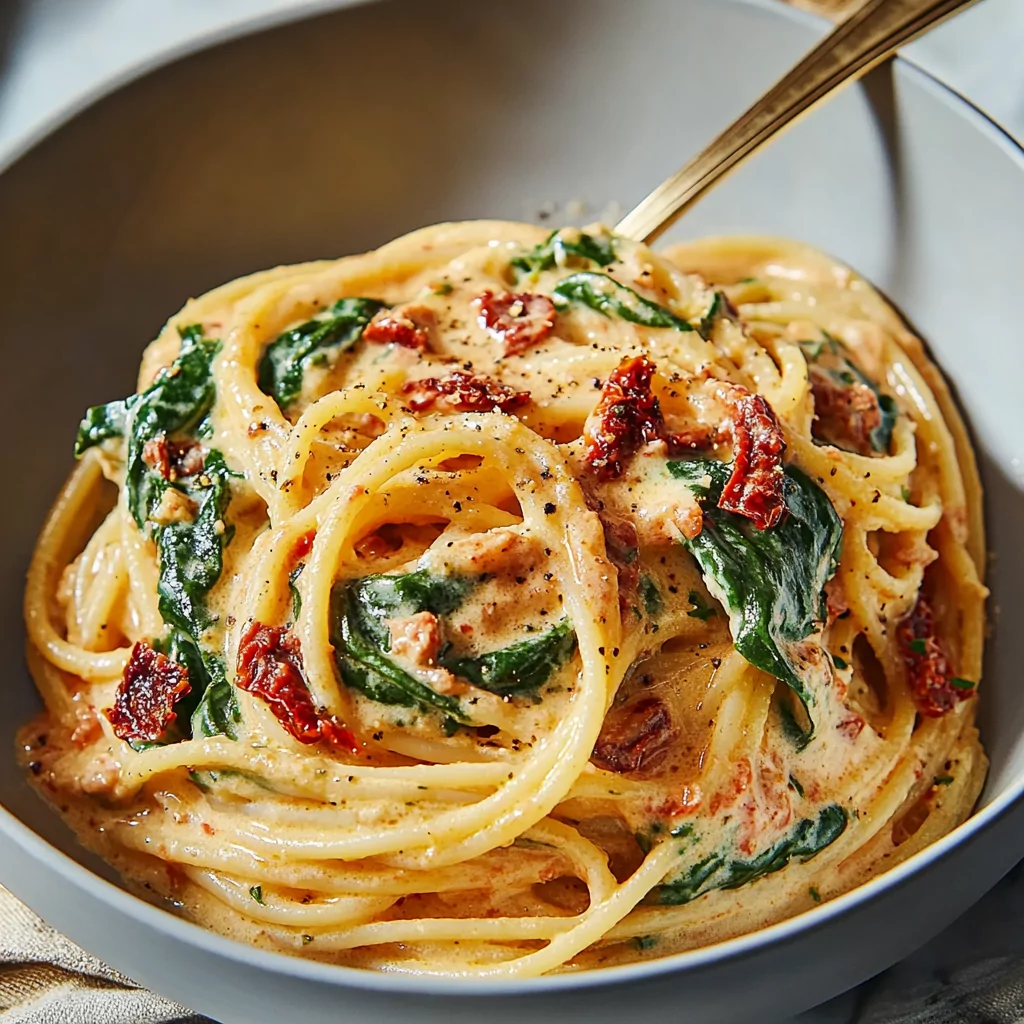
<point>332,135</point>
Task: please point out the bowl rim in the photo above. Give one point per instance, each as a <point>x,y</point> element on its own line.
<point>179,929</point>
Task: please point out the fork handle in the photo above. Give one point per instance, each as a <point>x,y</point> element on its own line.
<point>852,49</point>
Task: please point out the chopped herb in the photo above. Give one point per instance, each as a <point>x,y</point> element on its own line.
<point>651,596</point>
<point>942,780</point>
<point>815,895</point>
<point>840,663</point>
<point>682,831</point>
<point>443,288</point>
<point>795,783</point>
<point>605,295</point>
<point>256,892</point>
<point>296,595</point>
<point>962,684</point>
<point>905,492</point>
<point>285,360</point>
<point>701,609</point>
<point>643,942</point>
<point>918,645</point>
<point>307,939</point>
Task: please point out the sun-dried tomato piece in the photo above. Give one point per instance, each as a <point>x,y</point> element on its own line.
<point>464,392</point>
<point>694,438</point>
<point>844,415</point>
<point>173,459</point>
<point>851,727</point>
<point>269,666</point>
<point>152,684</point>
<point>929,672</point>
<point>627,416</point>
<point>755,488</point>
<point>518,321</point>
<point>408,327</point>
<point>303,545</point>
<point>634,736</point>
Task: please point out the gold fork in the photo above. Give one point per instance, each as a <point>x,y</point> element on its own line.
<point>870,35</point>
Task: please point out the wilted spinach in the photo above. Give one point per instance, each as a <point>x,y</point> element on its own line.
<point>521,668</point>
<point>211,707</point>
<point>286,358</point>
<point>832,358</point>
<point>190,551</point>
<point>558,249</point>
<point>721,871</point>
<point>719,307</point>
<point>362,640</point>
<point>604,294</point>
<point>771,582</point>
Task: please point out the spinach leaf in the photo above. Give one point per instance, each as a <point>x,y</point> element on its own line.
<point>717,308</point>
<point>362,638</point>
<point>651,596</point>
<point>192,552</point>
<point>772,581</point>
<point>701,609</point>
<point>719,871</point>
<point>176,401</point>
<point>217,713</point>
<point>101,423</point>
<point>365,667</point>
<point>295,592</point>
<point>384,596</point>
<point>845,373</point>
<point>522,667</point>
<point>285,360</point>
<point>557,249</point>
<point>211,707</point>
<point>604,294</point>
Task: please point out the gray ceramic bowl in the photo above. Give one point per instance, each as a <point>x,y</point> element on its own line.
<point>334,134</point>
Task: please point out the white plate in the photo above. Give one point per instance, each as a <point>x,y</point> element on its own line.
<point>334,134</point>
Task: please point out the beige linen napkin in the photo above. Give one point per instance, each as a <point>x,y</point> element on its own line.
<point>46,979</point>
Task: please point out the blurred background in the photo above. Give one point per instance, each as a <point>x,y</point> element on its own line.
<point>55,54</point>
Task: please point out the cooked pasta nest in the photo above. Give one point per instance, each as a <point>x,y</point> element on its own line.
<point>500,602</point>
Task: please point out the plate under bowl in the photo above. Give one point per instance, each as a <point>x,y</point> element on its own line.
<point>334,134</point>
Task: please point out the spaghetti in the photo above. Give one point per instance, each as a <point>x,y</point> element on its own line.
<point>500,602</point>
